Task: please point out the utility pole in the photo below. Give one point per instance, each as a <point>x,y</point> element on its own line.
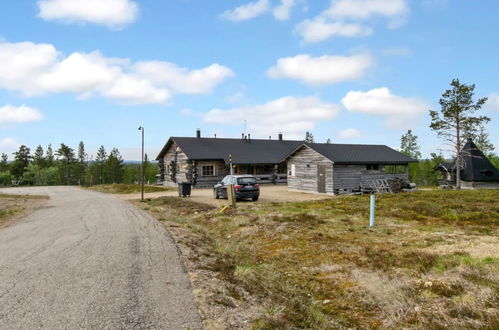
<point>142,166</point>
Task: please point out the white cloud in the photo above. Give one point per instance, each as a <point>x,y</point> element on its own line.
<point>8,144</point>
<point>17,115</point>
<point>247,11</point>
<point>38,69</point>
<point>493,100</point>
<point>283,11</point>
<point>365,9</point>
<point>350,134</point>
<point>399,112</point>
<point>183,80</point>
<point>111,13</point>
<point>321,70</point>
<point>348,18</point>
<point>291,115</point>
<point>320,29</point>
<point>186,112</point>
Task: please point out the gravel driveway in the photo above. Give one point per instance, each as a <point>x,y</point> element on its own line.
<point>90,260</point>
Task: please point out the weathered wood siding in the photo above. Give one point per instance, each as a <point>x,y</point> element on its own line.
<point>350,177</point>
<point>305,162</point>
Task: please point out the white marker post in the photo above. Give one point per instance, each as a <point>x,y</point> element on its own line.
<point>373,206</point>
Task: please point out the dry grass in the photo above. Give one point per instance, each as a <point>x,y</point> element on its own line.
<point>318,265</point>
<point>127,188</point>
<point>14,206</point>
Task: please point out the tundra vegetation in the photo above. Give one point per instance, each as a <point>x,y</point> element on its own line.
<point>14,206</point>
<point>431,262</point>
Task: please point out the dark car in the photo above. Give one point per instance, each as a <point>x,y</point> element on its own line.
<point>245,186</point>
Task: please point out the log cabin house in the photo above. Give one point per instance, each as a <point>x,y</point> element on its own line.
<point>323,168</point>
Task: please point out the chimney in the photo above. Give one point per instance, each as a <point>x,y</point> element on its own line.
<point>215,136</point>
<point>270,137</point>
<point>198,133</point>
<point>242,136</point>
<point>280,136</point>
<point>249,137</point>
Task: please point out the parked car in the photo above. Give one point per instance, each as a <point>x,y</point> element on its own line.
<point>245,186</point>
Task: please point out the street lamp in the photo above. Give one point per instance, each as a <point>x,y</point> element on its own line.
<point>142,166</point>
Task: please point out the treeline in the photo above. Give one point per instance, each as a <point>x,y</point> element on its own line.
<point>67,166</point>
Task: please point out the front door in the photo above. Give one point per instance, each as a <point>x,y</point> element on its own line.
<point>321,178</point>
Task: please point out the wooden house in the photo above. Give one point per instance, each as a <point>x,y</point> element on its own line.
<point>343,168</point>
<point>476,171</point>
<point>322,168</point>
<point>206,161</point>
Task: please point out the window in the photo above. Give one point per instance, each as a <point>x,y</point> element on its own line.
<point>293,170</point>
<point>372,167</point>
<point>208,170</point>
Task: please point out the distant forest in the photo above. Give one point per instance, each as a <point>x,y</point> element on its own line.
<point>67,166</point>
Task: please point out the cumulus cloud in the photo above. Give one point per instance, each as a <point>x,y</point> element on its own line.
<point>399,112</point>
<point>111,13</point>
<point>320,29</point>
<point>493,100</point>
<point>321,70</point>
<point>348,18</point>
<point>38,69</point>
<point>9,144</point>
<point>349,134</point>
<point>247,11</point>
<point>18,115</point>
<point>290,115</point>
<point>283,11</point>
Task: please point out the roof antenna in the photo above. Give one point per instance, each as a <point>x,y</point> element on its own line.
<point>245,126</point>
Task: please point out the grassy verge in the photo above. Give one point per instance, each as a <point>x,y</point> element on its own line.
<point>14,206</point>
<point>431,262</point>
<point>127,188</point>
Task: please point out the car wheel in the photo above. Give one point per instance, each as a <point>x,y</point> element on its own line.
<point>215,194</point>
<point>254,198</point>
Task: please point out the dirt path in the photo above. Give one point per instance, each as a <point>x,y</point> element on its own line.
<point>268,194</point>
<point>90,260</point>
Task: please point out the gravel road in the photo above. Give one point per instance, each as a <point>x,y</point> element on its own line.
<point>90,260</point>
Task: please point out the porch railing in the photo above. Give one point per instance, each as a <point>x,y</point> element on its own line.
<point>269,178</point>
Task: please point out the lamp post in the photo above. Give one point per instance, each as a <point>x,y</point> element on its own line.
<point>142,166</point>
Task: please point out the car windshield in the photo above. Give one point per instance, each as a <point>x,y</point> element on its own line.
<point>248,180</point>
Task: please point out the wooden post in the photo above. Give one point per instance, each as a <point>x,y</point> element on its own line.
<point>231,195</point>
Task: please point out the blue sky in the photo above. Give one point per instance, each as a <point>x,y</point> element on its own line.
<point>355,71</point>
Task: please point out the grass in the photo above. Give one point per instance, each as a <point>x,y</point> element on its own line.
<point>432,261</point>
<point>127,188</point>
<point>12,206</point>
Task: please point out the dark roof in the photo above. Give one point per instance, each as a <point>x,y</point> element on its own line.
<point>476,166</point>
<point>252,151</point>
<point>360,154</point>
<point>256,151</point>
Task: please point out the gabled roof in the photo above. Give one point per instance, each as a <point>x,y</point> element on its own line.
<point>243,151</point>
<point>256,151</point>
<point>476,166</point>
<point>359,154</point>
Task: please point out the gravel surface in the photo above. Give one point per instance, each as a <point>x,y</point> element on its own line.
<point>91,260</point>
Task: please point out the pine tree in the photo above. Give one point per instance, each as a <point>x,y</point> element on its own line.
<point>482,141</point>
<point>457,121</point>
<point>38,158</point>
<point>100,159</point>
<point>4,165</point>
<point>21,162</point>
<point>114,167</point>
<point>309,137</point>
<point>328,141</point>
<point>81,165</point>
<point>67,160</point>
<point>409,145</point>
<point>49,158</point>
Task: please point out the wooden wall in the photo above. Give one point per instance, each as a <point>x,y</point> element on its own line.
<point>221,170</point>
<point>182,165</point>
<point>351,176</point>
<point>305,161</point>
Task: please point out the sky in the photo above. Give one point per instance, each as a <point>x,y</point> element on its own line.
<point>354,71</point>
